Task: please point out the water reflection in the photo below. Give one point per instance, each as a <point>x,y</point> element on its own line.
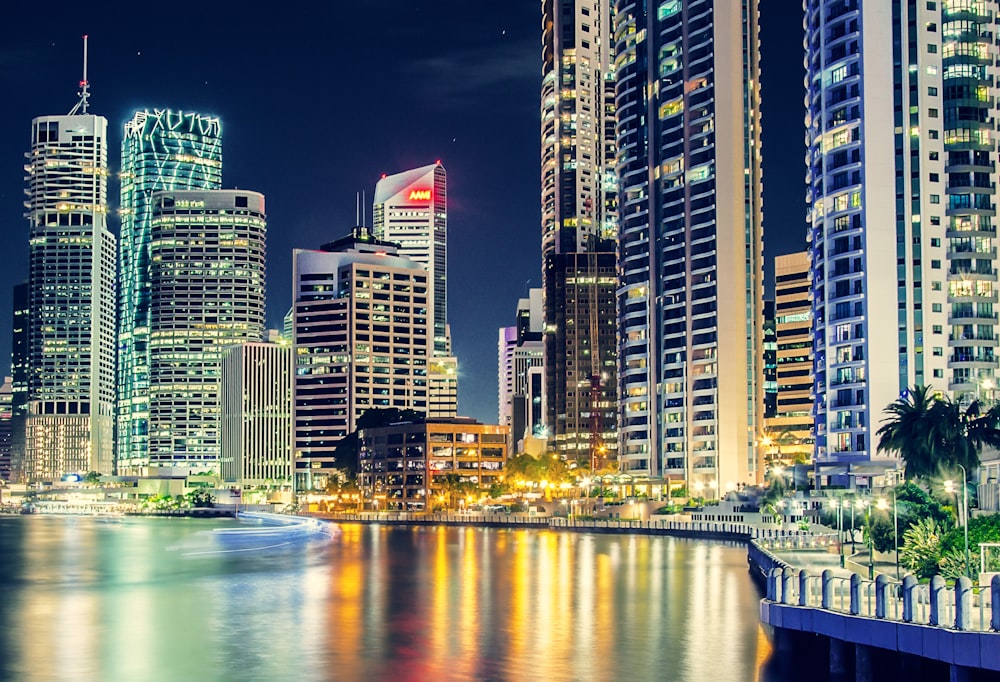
<point>84,600</point>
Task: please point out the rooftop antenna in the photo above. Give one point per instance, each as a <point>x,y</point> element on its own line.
<point>84,93</point>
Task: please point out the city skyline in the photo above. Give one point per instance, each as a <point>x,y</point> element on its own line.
<point>482,70</point>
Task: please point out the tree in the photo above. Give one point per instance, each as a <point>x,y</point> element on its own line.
<point>932,433</point>
<point>908,432</point>
<point>921,550</point>
<point>454,487</point>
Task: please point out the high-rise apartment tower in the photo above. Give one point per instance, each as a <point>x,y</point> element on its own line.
<point>901,189</point>
<point>690,242</point>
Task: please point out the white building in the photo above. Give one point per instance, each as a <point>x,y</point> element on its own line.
<point>207,252</point>
<point>411,210</point>
<point>901,158</point>
<point>71,355</point>
<point>256,426</point>
<point>690,301</point>
<point>363,337</point>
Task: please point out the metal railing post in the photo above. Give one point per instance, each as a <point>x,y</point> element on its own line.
<point>937,587</point>
<point>880,584</point>
<point>803,588</point>
<point>909,585</point>
<point>995,603</point>
<point>787,581</point>
<point>963,603</point>
<point>827,599</point>
<point>855,594</point>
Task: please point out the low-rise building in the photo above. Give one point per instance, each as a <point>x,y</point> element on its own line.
<point>403,465</point>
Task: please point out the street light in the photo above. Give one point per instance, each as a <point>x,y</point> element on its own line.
<point>949,486</point>
<point>840,528</point>
<point>867,506</point>
<point>884,506</point>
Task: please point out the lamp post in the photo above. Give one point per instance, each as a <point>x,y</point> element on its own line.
<point>860,504</point>
<point>884,505</point>
<point>840,529</point>
<point>867,505</point>
<point>949,486</point>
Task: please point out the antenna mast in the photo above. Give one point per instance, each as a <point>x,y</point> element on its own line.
<point>84,93</point>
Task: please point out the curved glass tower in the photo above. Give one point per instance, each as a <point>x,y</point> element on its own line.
<point>162,150</point>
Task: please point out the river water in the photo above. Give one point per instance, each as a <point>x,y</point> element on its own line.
<point>148,599</point>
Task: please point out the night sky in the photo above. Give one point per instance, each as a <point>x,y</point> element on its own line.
<point>318,99</point>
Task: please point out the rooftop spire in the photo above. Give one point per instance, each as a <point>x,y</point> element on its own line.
<point>84,93</point>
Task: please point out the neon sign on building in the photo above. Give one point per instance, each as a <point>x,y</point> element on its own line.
<point>420,195</point>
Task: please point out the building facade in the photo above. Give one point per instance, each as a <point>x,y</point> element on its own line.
<point>207,285</point>
<point>69,422</point>
<point>789,431</point>
<point>690,241</point>
<point>21,318</point>
<point>256,424</point>
<point>162,150</point>
<point>579,201</point>
<point>411,210</point>
<point>521,376</point>
<point>6,424</point>
<point>929,282</point>
<point>404,466</point>
<point>363,337</point>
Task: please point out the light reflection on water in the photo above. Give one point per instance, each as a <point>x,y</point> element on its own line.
<point>83,599</point>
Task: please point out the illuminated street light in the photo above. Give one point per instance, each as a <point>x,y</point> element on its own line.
<point>949,487</point>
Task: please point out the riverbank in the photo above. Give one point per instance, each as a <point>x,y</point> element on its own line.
<point>708,530</point>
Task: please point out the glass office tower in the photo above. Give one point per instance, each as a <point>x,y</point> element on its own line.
<point>162,150</point>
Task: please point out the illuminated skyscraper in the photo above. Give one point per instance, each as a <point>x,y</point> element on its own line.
<point>162,150</point>
<point>690,242</point>
<point>411,210</point>
<point>901,192</point>
<point>207,251</point>
<point>69,425</point>
<point>579,202</point>
<point>363,336</point>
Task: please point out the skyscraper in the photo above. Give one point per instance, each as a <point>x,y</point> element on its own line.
<point>69,425</point>
<point>363,336</point>
<point>207,252</point>
<point>579,204</point>
<point>411,210</point>
<point>690,241</point>
<point>256,426</point>
<point>162,150</point>
<point>901,178</point>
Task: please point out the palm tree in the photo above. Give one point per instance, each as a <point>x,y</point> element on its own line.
<point>932,433</point>
<point>963,433</point>
<point>908,431</point>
